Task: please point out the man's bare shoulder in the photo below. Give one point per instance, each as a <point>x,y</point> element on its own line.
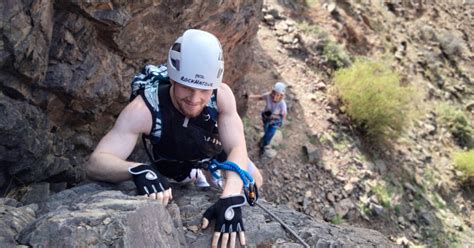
<point>135,117</point>
<point>225,99</point>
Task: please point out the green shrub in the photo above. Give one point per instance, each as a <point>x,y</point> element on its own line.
<point>312,30</point>
<point>333,53</point>
<point>336,56</point>
<point>464,162</point>
<point>311,3</point>
<point>337,220</point>
<point>457,123</point>
<point>372,96</point>
<point>383,194</point>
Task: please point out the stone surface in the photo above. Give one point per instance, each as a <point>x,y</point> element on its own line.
<point>13,219</point>
<point>36,193</point>
<point>65,72</point>
<point>98,215</point>
<point>95,215</point>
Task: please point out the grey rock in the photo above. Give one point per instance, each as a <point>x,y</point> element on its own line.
<point>269,19</point>
<point>24,129</point>
<point>381,167</point>
<point>269,152</point>
<point>377,210</point>
<point>328,213</point>
<point>57,187</point>
<point>36,193</point>
<point>451,45</point>
<point>312,153</point>
<point>9,202</point>
<point>275,12</point>
<point>263,231</point>
<point>430,128</point>
<point>470,107</point>
<point>330,197</point>
<point>320,86</point>
<point>99,215</point>
<point>348,187</point>
<point>67,84</point>
<point>343,207</point>
<point>13,220</point>
<point>332,7</point>
<point>95,215</point>
<point>427,218</point>
<point>326,244</point>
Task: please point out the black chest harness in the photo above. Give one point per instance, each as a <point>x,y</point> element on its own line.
<point>184,143</point>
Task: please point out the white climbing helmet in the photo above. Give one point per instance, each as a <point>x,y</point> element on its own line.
<point>279,87</point>
<point>195,60</point>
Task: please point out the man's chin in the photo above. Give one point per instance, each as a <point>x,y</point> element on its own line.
<point>191,114</point>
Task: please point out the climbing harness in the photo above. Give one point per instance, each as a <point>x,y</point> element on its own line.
<point>250,190</point>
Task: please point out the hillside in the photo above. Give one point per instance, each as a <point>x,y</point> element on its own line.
<point>321,164</point>
<point>65,73</point>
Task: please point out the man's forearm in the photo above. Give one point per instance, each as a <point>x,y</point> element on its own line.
<point>233,183</point>
<point>109,168</point>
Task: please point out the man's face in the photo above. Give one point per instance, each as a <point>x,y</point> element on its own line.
<point>276,97</point>
<point>190,101</point>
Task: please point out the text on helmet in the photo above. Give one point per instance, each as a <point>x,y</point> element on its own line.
<point>196,81</point>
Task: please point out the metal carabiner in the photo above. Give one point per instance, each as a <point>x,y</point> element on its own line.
<point>251,194</point>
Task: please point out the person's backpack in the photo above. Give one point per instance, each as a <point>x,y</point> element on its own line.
<point>149,76</point>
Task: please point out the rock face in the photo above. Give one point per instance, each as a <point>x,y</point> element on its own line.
<point>13,219</point>
<point>98,215</point>
<point>66,66</point>
<point>93,215</point>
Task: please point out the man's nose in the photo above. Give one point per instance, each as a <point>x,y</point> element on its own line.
<point>194,95</point>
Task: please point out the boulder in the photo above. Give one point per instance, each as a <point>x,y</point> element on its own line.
<point>98,215</point>
<point>95,215</point>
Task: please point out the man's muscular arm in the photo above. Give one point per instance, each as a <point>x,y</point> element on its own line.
<point>231,133</point>
<point>108,161</point>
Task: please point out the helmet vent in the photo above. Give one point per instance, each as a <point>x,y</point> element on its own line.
<point>219,73</point>
<point>175,63</point>
<point>176,47</point>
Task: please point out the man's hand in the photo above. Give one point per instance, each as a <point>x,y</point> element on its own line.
<point>228,214</point>
<point>151,183</point>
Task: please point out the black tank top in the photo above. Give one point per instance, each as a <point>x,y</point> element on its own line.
<point>183,142</point>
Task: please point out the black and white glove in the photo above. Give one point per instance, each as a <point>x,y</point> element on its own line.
<point>228,214</point>
<point>148,180</point>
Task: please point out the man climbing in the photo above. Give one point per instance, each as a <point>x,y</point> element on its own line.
<point>189,118</point>
<point>273,114</point>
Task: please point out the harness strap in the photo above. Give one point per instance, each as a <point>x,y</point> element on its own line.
<point>200,164</point>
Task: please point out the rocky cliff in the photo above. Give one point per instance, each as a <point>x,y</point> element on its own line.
<point>65,69</point>
<point>103,215</point>
<point>410,191</point>
<point>66,66</point>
